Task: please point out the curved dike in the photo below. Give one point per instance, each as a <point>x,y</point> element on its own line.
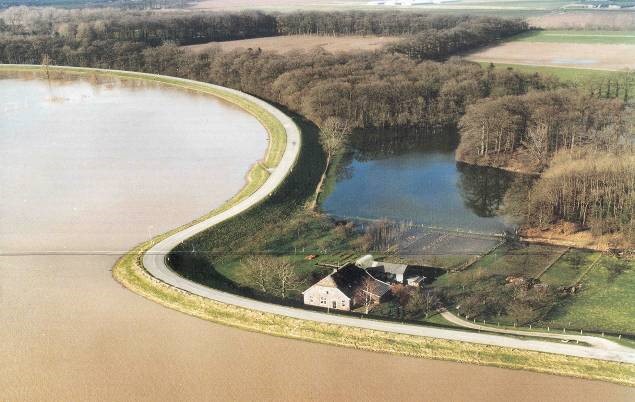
<point>154,261</point>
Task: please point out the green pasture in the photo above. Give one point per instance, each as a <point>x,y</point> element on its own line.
<point>578,36</point>
<point>604,301</point>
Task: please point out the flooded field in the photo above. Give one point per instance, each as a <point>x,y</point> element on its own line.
<point>90,169</point>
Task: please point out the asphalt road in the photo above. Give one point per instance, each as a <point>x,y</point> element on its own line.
<point>594,341</point>
<point>155,263</point>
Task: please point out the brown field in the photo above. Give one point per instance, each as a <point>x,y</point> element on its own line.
<point>612,20</point>
<point>594,56</point>
<point>285,44</point>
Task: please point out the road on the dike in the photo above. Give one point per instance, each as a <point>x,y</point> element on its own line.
<point>155,263</point>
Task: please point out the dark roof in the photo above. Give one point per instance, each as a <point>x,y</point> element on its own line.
<point>349,277</point>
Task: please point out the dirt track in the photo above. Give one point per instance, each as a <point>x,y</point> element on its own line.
<point>595,56</point>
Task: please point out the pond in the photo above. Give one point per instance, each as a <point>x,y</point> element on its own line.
<point>418,180</point>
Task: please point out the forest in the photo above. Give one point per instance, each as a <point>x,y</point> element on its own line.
<point>581,146</point>
<point>372,89</point>
<point>518,121</point>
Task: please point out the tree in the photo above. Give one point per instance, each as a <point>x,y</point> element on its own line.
<point>333,133</point>
<point>401,293</point>
<point>46,61</point>
<point>365,291</point>
<point>256,272</point>
<point>284,277</point>
<point>422,301</point>
<point>270,274</point>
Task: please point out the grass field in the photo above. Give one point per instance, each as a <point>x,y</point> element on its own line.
<point>604,301</point>
<point>579,36</point>
<point>599,81</point>
<point>528,260</point>
<point>587,19</point>
<point>287,43</point>
<point>567,270</point>
<point>575,75</point>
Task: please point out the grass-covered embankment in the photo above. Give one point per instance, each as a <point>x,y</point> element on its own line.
<point>128,270</point>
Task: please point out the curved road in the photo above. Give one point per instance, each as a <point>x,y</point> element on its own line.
<point>154,262</point>
<point>594,341</point>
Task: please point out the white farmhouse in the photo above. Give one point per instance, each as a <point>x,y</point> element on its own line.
<point>337,290</point>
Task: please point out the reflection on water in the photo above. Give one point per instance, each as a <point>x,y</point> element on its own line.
<point>94,163</point>
<point>419,180</point>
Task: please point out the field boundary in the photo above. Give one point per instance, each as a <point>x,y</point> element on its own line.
<point>553,262</point>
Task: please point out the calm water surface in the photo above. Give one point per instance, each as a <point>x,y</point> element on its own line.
<point>419,182</point>
<point>87,165</point>
<point>102,167</point>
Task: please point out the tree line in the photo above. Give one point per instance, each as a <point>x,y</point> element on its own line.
<point>447,35</point>
<point>148,28</point>
<point>438,43</point>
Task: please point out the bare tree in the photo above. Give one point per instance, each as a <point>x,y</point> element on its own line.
<point>284,277</point>
<point>256,272</point>
<point>333,133</point>
<point>269,274</point>
<point>46,61</point>
<point>365,291</point>
<point>422,301</point>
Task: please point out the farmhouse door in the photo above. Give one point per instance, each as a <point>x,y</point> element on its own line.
<point>334,304</point>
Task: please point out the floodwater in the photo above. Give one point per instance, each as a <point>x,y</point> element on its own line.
<point>106,167</point>
<point>420,182</point>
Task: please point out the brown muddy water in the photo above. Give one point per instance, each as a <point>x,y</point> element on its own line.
<point>98,167</point>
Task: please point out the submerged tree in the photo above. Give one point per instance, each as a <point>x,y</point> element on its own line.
<point>333,136</point>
